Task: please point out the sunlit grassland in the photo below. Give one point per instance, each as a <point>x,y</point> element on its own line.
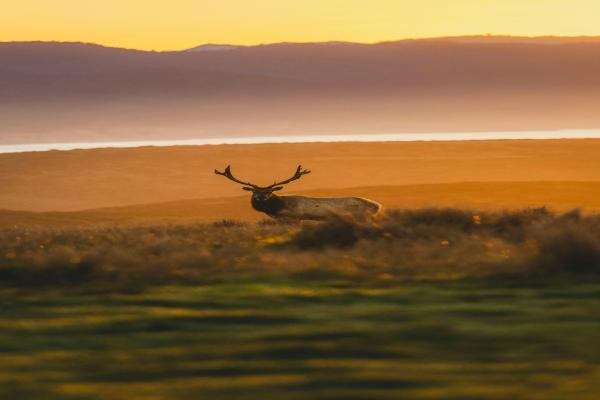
<point>425,304</point>
<point>283,340</point>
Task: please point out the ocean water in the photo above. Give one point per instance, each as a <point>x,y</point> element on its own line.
<point>388,137</point>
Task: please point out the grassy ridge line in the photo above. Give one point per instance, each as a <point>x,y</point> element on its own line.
<point>483,195</point>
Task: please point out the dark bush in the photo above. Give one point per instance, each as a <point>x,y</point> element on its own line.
<point>515,225</point>
<point>338,232</point>
<point>571,248</point>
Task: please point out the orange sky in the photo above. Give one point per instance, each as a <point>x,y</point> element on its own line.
<point>178,24</point>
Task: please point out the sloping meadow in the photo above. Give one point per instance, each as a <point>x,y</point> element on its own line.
<point>426,244</point>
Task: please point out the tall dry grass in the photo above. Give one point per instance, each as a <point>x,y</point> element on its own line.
<point>400,245</point>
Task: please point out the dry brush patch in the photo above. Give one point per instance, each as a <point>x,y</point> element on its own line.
<point>400,245</point>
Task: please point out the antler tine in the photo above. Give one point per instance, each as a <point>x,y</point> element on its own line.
<point>297,175</point>
<point>227,174</point>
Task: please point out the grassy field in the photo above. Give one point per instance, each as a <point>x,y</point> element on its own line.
<point>323,340</point>
<point>397,246</point>
<point>481,195</point>
<point>398,174</point>
<point>422,304</point>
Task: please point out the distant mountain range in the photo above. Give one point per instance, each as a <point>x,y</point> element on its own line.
<point>52,91</point>
<point>484,39</point>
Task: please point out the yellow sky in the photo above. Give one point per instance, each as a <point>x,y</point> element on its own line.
<point>179,24</point>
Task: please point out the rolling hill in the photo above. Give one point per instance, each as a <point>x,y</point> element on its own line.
<point>107,178</point>
<point>557,196</point>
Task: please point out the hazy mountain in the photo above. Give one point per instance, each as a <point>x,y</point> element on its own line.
<point>80,92</point>
<point>517,39</point>
<point>213,47</point>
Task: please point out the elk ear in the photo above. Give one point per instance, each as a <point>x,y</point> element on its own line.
<point>247,188</point>
<point>277,188</point>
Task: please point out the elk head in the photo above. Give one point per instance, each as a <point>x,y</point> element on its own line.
<point>262,193</point>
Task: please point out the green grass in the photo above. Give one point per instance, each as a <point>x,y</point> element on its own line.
<point>284,340</point>
<point>424,304</point>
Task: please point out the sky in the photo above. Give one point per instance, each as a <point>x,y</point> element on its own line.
<point>180,24</point>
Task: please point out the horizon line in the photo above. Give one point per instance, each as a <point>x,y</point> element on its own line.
<point>551,134</point>
<point>367,43</point>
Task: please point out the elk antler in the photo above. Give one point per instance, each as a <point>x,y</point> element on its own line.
<point>227,174</point>
<point>297,175</point>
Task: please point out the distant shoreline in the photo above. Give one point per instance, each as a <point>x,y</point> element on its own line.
<point>390,137</point>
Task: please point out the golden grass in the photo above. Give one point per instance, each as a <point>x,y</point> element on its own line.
<point>558,196</point>
<point>401,245</point>
<point>89,179</point>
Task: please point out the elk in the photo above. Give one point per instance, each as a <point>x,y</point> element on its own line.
<point>301,207</point>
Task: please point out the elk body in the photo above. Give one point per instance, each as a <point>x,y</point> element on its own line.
<point>301,207</point>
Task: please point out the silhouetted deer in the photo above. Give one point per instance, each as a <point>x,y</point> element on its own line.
<point>300,207</point>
